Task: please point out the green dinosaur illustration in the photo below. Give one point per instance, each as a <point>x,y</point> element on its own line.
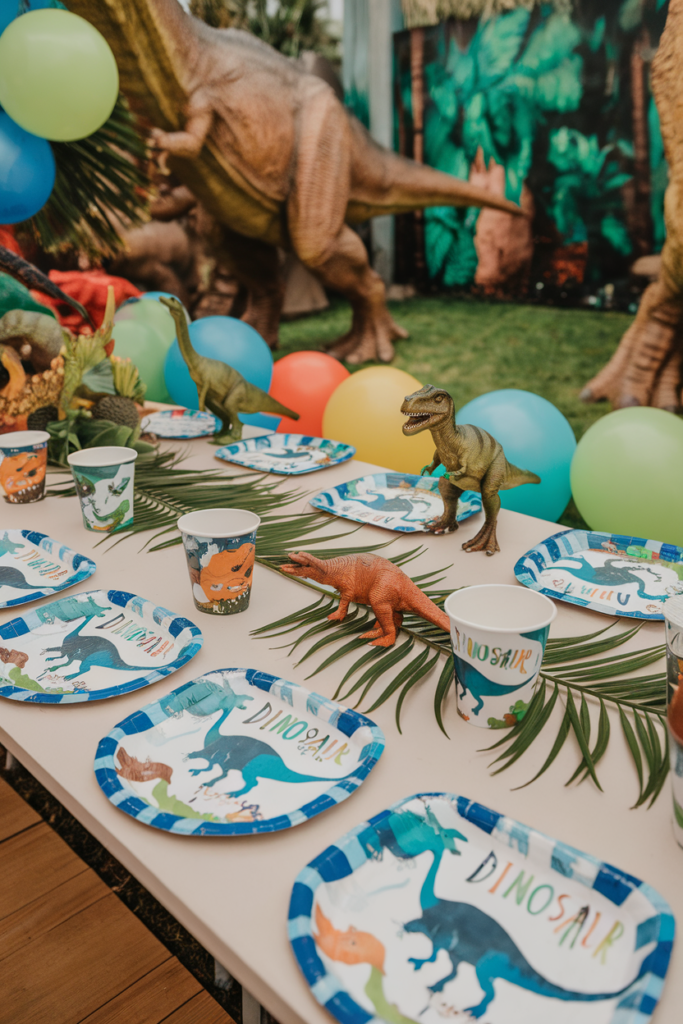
<point>221,388</point>
<point>474,461</point>
<point>172,805</point>
<point>117,516</point>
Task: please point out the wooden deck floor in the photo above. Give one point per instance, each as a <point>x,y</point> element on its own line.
<point>70,951</point>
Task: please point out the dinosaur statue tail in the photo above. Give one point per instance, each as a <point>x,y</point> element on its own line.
<point>405,185</point>
<point>426,609</point>
<point>514,477</point>
<point>259,401</point>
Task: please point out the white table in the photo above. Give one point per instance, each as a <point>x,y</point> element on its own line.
<point>233,893</point>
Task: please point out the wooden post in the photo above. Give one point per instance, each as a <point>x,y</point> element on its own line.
<point>417,97</point>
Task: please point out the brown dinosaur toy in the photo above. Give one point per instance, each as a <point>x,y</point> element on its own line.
<point>273,155</point>
<point>475,462</point>
<point>369,579</point>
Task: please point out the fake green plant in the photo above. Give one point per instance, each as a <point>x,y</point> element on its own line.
<point>291,26</point>
<point>575,669</point>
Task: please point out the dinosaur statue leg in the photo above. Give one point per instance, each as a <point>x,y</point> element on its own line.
<point>316,209</point>
<point>383,634</point>
<point>486,540</point>
<point>256,265</point>
<point>341,611</point>
<point>450,495</point>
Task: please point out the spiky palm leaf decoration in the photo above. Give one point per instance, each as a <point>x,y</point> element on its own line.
<point>575,669</point>
<point>100,186</point>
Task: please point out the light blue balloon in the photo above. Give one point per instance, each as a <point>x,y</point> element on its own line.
<point>9,9</point>
<point>536,436</point>
<point>27,172</point>
<point>230,341</point>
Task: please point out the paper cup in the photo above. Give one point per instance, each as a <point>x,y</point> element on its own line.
<point>104,479</point>
<point>220,545</point>
<point>23,464</point>
<point>499,635</point>
<point>673,616</point>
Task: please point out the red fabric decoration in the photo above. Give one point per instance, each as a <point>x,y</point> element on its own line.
<point>89,287</point>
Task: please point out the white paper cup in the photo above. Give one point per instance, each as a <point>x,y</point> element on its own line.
<point>23,464</point>
<point>220,546</point>
<point>105,482</point>
<point>499,634</point>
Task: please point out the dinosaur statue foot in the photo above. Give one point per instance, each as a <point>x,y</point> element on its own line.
<point>485,540</point>
<point>373,633</point>
<point>441,525</point>
<point>369,341</point>
<point>384,641</point>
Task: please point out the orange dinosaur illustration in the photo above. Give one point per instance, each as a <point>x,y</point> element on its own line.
<point>141,771</point>
<point>349,947</point>
<point>228,574</point>
<point>18,658</point>
<point>22,475</point>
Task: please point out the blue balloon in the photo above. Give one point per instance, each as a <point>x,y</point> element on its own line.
<point>536,436</point>
<point>27,172</point>
<point>230,341</point>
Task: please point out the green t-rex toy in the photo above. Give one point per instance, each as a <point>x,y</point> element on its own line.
<point>221,388</point>
<point>475,461</point>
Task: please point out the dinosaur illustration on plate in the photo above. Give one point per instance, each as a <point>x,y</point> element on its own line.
<point>69,608</point>
<point>355,947</point>
<point>18,658</point>
<point>384,504</point>
<point>9,547</point>
<point>253,758</point>
<point>11,577</point>
<point>90,651</point>
<point>611,575</point>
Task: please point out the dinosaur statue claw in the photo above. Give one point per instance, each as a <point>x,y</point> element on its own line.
<point>369,341</point>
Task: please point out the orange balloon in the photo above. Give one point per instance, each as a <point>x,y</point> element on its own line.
<point>304,381</point>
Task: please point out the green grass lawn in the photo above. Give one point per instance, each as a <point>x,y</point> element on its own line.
<point>471,347</point>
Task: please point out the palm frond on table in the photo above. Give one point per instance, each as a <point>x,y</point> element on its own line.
<point>577,669</point>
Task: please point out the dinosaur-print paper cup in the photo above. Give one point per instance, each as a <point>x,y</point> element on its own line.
<point>105,482</point>
<point>220,545</point>
<point>23,464</point>
<point>499,634</point>
<point>673,617</point>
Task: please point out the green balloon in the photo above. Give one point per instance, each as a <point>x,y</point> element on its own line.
<point>145,347</point>
<point>58,76</point>
<point>627,475</point>
<point>149,313</point>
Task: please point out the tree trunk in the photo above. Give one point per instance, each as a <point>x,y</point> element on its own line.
<point>417,38</point>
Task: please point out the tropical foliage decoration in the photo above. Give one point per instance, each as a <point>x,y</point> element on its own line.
<point>291,26</point>
<point>418,13</point>
<point>575,670</point>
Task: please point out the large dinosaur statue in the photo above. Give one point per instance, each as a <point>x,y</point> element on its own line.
<point>647,368</point>
<point>220,387</point>
<point>273,155</point>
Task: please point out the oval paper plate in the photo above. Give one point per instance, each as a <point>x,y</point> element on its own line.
<point>441,909</point>
<point>605,572</point>
<point>394,501</point>
<point>91,646</point>
<point>235,752</point>
<point>288,454</point>
<point>33,565</point>
<point>180,423</point>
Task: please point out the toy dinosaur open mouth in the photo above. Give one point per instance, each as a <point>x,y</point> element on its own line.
<point>416,419</point>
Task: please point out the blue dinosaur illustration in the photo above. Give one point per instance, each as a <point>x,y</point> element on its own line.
<point>479,686</point>
<point>611,575</point>
<point>468,935</point>
<point>253,758</point>
<point>383,504</point>
<point>90,651</point>
<point>69,608</point>
<point>11,577</point>
<point>9,547</point>
<point>204,698</point>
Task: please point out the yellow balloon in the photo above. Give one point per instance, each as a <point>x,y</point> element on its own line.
<point>365,411</point>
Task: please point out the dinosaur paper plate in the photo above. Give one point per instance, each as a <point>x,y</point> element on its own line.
<point>180,423</point>
<point>394,501</point>
<point>33,565</point>
<point>441,909</point>
<point>289,454</point>
<point>606,572</point>
<point>91,646</point>
<point>235,752</point>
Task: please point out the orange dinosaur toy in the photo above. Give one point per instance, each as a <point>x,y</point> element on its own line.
<point>228,574</point>
<point>369,579</point>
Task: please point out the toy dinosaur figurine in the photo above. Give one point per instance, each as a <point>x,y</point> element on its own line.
<point>272,154</point>
<point>369,579</point>
<point>475,461</point>
<point>221,388</point>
